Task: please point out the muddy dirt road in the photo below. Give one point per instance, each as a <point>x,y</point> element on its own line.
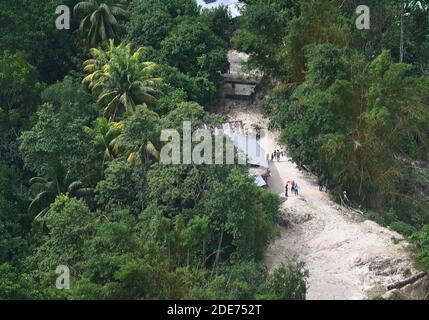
<point>348,256</point>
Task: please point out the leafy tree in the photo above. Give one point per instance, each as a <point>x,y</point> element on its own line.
<point>192,47</point>
<point>123,186</point>
<point>69,224</point>
<point>276,34</point>
<point>11,286</point>
<point>385,30</point>
<point>289,281</point>
<point>13,225</point>
<point>235,217</point>
<point>19,97</point>
<point>19,83</point>
<point>263,27</point>
<point>188,111</point>
<point>149,23</point>
<point>70,96</point>
<point>57,138</point>
<point>29,26</point>
<point>203,38</point>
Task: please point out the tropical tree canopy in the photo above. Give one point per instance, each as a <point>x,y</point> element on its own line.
<point>99,20</point>
<point>120,80</point>
<point>81,113</point>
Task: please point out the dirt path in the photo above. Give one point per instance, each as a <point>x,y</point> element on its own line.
<point>348,256</point>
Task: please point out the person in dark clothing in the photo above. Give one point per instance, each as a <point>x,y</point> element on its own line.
<point>286,190</point>
<point>326,185</point>
<point>320,183</point>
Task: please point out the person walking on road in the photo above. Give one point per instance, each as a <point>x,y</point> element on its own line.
<point>293,187</point>
<point>320,183</point>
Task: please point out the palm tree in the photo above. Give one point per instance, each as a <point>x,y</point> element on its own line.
<point>100,20</point>
<point>147,150</point>
<point>105,135</point>
<point>47,189</point>
<point>120,79</point>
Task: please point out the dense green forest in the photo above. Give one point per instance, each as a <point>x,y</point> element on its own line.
<point>81,112</point>
<point>352,105</point>
<point>80,180</point>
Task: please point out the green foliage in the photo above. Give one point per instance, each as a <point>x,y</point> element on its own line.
<point>402,228</point>
<point>276,34</point>
<point>421,238</point>
<point>56,139</point>
<point>104,137</point>
<point>199,49</point>
<point>288,282</point>
<point>99,20</point>
<point>152,255</point>
<point>139,133</point>
<point>151,21</point>
<point>188,111</point>
<point>69,223</point>
<point>189,46</point>
<point>345,108</point>
<point>19,83</point>
<point>375,216</point>
<point>19,96</point>
<point>11,287</point>
<point>120,80</point>
<point>263,28</point>
<point>127,226</point>
<point>12,206</point>
<point>336,120</point>
<point>29,26</point>
<point>69,96</point>
<point>240,215</point>
<point>45,190</point>
<point>385,30</point>
<point>123,187</point>
<point>199,88</point>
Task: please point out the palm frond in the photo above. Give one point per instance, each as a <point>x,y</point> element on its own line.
<point>41,214</point>
<point>151,150</point>
<point>74,186</point>
<point>84,7</point>
<point>44,196</point>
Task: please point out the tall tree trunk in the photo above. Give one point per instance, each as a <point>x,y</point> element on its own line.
<point>219,247</point>
<point>401,47</point>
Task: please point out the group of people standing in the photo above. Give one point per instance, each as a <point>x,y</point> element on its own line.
<point>294,188</point>
<point>277,154</point>
<point>323,183</point>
